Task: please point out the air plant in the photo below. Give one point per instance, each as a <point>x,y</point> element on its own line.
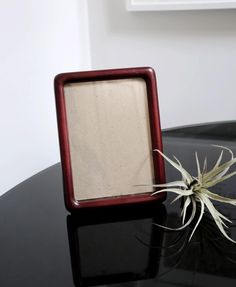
<point>195,191</point>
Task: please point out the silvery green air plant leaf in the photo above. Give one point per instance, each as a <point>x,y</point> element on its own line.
<point>195,190</point>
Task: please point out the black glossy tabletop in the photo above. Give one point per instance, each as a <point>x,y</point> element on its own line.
<point>41,244</point>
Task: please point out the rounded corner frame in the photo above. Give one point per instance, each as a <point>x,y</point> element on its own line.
<point>149,76</point>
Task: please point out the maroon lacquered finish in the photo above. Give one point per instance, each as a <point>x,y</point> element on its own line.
<point>148,75</point>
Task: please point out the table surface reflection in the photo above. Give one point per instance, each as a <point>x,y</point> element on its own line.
<point>41,244</point>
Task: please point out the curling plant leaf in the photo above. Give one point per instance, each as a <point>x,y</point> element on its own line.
<point>195,190</point>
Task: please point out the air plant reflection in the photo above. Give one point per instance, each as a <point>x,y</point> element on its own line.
<point>195,190</point>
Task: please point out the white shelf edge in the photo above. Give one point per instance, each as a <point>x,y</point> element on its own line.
<point>160,5</point>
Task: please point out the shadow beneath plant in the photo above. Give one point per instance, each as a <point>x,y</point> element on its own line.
<point>207,254</point>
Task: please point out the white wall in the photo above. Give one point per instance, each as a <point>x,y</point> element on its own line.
<point>39,39</point>
<point>193,53</point>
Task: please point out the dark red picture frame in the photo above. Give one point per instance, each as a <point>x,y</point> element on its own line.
<point>148,75</point>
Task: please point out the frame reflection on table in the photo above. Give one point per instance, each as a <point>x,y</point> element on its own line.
<point>117,246</point>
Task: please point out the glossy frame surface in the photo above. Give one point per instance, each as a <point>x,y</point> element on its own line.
<point>148,75</point>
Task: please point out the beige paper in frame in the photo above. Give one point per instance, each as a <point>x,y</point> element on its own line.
<point>109,138</point>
